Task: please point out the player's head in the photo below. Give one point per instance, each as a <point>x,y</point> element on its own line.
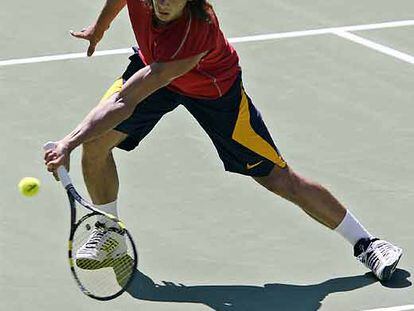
<point>169,10</point>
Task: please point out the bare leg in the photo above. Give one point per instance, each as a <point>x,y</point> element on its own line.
<point>380,256</point>
<point>313,198</point>
<point>99,169</point>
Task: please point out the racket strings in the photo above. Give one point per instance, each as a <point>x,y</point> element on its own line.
<point>104,257</point>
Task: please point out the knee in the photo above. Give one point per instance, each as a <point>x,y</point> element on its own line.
<point>94,151</point>
<point>285,183</point>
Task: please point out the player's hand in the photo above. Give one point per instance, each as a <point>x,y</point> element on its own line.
<point>92,33</point>
<point>58,156</point>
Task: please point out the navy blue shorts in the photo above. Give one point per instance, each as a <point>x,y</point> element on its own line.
<point>232,122</point>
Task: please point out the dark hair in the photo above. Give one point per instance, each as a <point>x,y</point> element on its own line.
<point>201,9</point>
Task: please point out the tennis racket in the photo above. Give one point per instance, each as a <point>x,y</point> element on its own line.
<point>102,254</point>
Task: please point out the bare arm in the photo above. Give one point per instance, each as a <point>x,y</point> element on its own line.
<point>110,10</point>
<point>119,107</point>
<point>94,32</point>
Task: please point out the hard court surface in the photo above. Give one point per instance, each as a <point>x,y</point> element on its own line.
<point>334,82</point>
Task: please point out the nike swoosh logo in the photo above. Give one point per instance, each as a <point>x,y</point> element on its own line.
<point>250,166</point>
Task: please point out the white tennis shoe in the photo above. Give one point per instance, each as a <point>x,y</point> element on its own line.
<point>380,256</point>
<point>102,247</point>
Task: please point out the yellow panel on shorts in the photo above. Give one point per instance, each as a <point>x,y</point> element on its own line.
<point>245,135</point>
<point>115,88</point>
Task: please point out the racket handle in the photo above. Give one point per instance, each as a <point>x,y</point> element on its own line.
<point>61,170</point>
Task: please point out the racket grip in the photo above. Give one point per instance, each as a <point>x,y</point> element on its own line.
<point>61,170</point>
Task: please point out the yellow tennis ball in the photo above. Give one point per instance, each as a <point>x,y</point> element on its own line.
<point>29,186</point>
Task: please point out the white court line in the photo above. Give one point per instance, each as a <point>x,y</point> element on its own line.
<point>43,59</point>
<point>375,46</point>
<point>324,31</point>
<point>400,308</point>
<point>266,37</point>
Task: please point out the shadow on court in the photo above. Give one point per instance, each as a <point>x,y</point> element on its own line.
<point>269,297</point>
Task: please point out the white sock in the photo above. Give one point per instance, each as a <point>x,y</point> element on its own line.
<point>110,208</point>
<point>351,229</point>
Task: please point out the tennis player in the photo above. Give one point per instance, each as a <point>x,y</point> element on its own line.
<point>184,59</point>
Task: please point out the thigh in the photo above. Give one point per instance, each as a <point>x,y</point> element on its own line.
<point>280,180</point>
<point>147,113</point>
<point>238,132</point>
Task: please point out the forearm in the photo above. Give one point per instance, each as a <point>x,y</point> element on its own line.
<point>109,113</point>
<point>110,10</point>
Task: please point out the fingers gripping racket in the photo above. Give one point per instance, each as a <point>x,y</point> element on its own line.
<point>102,254</point>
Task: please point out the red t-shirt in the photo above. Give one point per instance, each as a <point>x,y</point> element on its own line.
<point>183,38</point>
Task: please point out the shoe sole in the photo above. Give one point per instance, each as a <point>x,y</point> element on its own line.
<point>389,270</point>
<point>91,264</point>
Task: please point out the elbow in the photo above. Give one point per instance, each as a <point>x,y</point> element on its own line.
<point>124,106</point>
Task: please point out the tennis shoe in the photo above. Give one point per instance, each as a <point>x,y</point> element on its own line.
<point>103,246</point>
<point>380,256</point>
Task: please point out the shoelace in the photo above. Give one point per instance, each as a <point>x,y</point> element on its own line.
<point>376,254</point>
<point>96,238</point>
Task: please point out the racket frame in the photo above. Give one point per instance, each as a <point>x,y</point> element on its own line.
<point>74,197</point>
